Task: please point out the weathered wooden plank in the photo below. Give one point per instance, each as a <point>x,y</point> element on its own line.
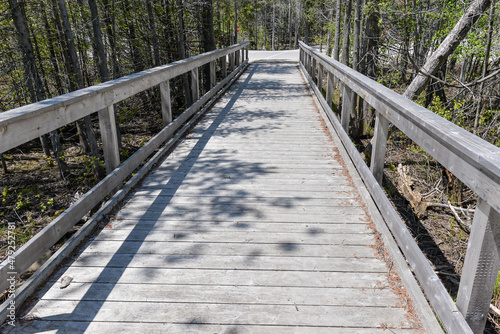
<point>285,202</point>
<point>234,262</point>
<point>195,84</point>
<point>237,249</point>
<point>166,106</point>
<point>320,77</point>
<point>259,226</point>
<point>213,77</point>
<point>347,107</point>
<point>109,136</point>
<point>379,147</point>
<point>54,327</point>
<point>286,315</point>
<point>226,277</point>
<point>329,89</point>
<point>236,210</point>
<point>255,193</point>
<point>344,216</point>
<point>233,184</point>
<point>362,239</point>
<point>279,296</point>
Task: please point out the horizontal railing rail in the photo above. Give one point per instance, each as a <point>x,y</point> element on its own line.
<point>23,124</point>
<point>474,161</point>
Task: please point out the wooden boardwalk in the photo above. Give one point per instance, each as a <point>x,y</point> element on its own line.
<point>251,225</point>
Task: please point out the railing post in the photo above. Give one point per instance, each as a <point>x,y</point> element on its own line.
<point>213,77</point>
<point>231,62</point>
<point>224,66</point>
<point>481,266</point>
<point>237,58</point>
<point>329,89</point>
<point>347,106</point>
<point>379,147</point>
<point>313,69</point>
<point>195,86</point>
<point>166,107</point>
<point>109,136</point>
<point>320,78</point>
<point>246,52</point>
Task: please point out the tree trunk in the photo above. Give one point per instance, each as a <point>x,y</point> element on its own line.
<point>98,43</point>
<point>372,33</point>
<point>235,21</point>
<point>132,38</point>
<point>347,33</point>
<point>357,129</point>
<point>4,164</point>
<point>154,33</point>
<point>273,26</point>
<point>108,18</point>
<point>77,76</point>
<point>485,65</point>
<point>329,33</point>
<point>53,58</point>
<point>450,43</point>
<point>182,51</point>
<point>336,46</point>
<point>290,25</point>
<point>207,36</point>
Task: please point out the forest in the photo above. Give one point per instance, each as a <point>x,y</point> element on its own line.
<point>53,47</point>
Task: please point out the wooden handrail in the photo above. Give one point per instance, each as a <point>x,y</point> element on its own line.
<point>473,160</point>
<point>20,125</point>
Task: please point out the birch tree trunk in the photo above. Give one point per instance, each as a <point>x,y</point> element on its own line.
<point>450,43</point>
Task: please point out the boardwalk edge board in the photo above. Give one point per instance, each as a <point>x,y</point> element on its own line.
<point>30,252</point>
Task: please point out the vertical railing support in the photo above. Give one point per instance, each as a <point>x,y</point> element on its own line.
<point>313,69</point>
<point>329,89</point>
<point>231,62</point>
<point>379,147</point>
<point>347,107</point>
<point>481,265</point>
<point>213,77</point>
<point>246,52</point>
<point>166,106</point>
<point>224,66</point>
<point>111,147</point>
<point>195,85</point>
<point>320,78</point>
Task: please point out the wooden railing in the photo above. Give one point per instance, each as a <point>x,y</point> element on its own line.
<point>29,122</point>
<point>474,161</point>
